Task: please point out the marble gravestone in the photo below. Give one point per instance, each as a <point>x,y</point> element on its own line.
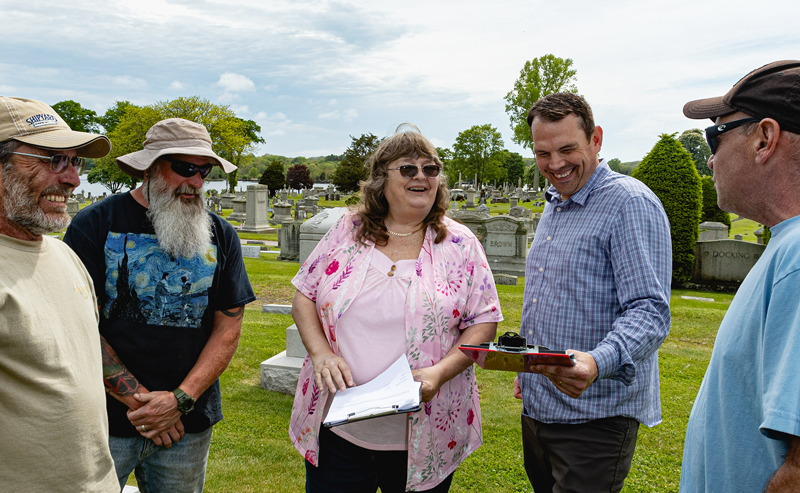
<point>256,220</point>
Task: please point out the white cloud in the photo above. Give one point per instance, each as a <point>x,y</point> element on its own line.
<point>332,102</point>
<point>232,83</point>
<point>350,114</point>
<point>270,88</point>
<point>333,115</point>
<point>128,82</point>
<point>177,85</point>
<point>240,109</point>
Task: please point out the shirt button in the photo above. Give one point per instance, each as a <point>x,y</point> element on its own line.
<point>530,332</point>
<point>549,238</point>
<point>541,269</point>
<point>558,209</point>
<point>534,300</point>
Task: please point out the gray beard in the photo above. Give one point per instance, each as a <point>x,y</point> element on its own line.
<point>183,227</point>
<point>22,208</point>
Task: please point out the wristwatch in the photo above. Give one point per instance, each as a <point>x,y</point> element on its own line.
<point>185,401</point>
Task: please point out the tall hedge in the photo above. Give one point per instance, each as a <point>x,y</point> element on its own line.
<point>711,211</point>
<point>669,171</point>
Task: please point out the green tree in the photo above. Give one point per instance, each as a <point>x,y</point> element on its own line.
<point>515,167</point>
<point>694,141</point>
<point>711,211</point>
<point>352,168</point>
<point>668,170</point>
<point>273,177</point>
<point>128,136</point>
<point>538,78</point>
<point>112,116</point>
<point>78,118</point>
<point>614,164</point>
<point>478,150</point>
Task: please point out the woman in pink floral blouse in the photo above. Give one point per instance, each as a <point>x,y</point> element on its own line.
<point>395,277</point>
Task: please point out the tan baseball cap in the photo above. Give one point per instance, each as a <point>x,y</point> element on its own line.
<point>171,136</point>
<point>35,123</point>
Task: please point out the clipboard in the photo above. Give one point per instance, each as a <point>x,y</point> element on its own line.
<point>372,413</point>
<point>511,353</point>
<point>392,392</point>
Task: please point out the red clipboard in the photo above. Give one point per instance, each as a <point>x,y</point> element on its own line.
<point>491,356</point>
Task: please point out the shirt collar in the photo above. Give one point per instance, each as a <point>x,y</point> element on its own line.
<point>580,197</point>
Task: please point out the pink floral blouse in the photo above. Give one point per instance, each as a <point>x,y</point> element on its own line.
<point>453,289</point>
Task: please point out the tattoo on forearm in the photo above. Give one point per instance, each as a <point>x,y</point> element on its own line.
<point>117,379</point>
<point>236,313</point>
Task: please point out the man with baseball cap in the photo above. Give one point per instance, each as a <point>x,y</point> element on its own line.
<point>744,430</point>
<point>163,349</point>
<point>53,425</point>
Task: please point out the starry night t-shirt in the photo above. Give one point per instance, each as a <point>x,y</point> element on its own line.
<point>156,311</point>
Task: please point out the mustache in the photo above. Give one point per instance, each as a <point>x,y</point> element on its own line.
<point>58,190</point>
<point>187,189</point>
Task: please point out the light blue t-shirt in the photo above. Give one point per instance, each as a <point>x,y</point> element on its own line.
<point>750,394</point>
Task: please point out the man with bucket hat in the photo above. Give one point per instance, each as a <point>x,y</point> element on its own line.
<point>163,349</point>
<point>53,425</point>
<point>744,429</point>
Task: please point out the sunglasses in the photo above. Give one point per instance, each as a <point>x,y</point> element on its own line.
<point>410,171</point>
<point>58,162</point>
<point>714,131</point>
<point>188,170</point>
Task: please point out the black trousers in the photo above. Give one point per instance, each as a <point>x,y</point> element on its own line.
<point>581,458</point>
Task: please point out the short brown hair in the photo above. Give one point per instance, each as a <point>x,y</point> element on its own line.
<point>374,207</point>
<point>559,105</point>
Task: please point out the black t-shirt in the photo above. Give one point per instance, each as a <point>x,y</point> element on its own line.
<point>156,311</point>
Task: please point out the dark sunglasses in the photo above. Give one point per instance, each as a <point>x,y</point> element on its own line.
<point>58,162</point>
<point>188,170</point>
<point>410,171</point>
<point>714,131</point>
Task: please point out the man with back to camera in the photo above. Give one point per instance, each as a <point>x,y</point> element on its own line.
<point>597,283</point>
<point>744,427</point>
<point>162,359</point>
<point>53,425</point>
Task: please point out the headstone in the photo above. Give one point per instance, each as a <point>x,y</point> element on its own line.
<point>738,237</point>
<point>72,207</point>
<point>505,280</point>
<point>724,261</point>
<point>251,251</point>
<point>239,213</point>
<point>513,201</point>
<point>483,208</point>
<point>472,219</point>
<point>315,228</point>
<point>282,211</point>
<point>289,238</point>
<point>453,206</point>
<point>710,230</point>
<point>470,198</point>
<point>506,245</point>
<point>257,220</point>
<point>226,200</point>
<point>759,234</point>
<point>281,372</point>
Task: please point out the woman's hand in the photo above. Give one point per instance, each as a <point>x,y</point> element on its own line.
<point>333,371</point>
<point>431,380</point>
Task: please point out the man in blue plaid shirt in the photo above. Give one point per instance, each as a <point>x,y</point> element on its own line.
<point>597,283</point>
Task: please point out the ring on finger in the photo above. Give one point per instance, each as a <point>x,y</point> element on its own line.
<point>143,428</point>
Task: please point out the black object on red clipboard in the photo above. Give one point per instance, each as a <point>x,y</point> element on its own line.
<point>512,353</point>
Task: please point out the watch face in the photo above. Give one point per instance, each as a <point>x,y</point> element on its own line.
<point>185,401</point>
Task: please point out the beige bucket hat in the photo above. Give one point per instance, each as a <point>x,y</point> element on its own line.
<point>171,136</point>
<point>33,122</point>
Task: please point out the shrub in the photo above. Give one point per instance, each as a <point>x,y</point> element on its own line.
<point>669,171</point>
<point>711,211</point>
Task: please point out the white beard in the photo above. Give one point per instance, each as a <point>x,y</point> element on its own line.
<point>22,208</point>
<point>183,227</point>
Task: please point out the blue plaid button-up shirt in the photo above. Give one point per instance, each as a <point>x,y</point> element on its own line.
<point>597,279</point>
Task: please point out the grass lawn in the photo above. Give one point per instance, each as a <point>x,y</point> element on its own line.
<point>251,451</point>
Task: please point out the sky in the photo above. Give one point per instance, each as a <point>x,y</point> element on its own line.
<point>314,73</point>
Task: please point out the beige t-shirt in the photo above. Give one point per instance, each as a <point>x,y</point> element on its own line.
<point>53,424</point>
